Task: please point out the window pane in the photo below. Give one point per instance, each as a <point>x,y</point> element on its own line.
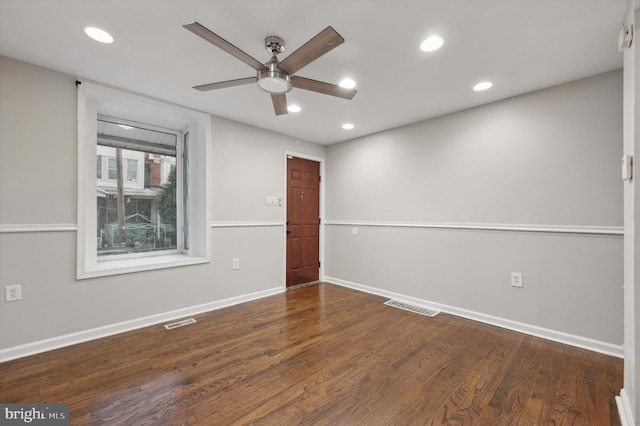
<point>113,171</point>
<point>137,215</point>
<point>99,167</point>
<point>132,170</point>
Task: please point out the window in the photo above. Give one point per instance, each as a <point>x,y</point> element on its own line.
<point>99,167</point>
<point>113,169</point>
<point>148,205</point>
<point>132,170</point>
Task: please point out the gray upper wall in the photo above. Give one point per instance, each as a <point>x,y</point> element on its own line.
<point>38,148</point>
<point>550,157</point>
<point>256,170</point>
<point>38,177</point>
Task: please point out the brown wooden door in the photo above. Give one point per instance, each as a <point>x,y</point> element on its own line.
<point>303,221</point>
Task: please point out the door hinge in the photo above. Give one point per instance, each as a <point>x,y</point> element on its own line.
<point>319,264</point>
<point>627,167</point>
<point>625,37</point>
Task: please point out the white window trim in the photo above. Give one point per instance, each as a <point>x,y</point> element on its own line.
<point>198,125</point>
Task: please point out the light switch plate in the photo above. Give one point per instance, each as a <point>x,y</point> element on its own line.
<point>271,201</point>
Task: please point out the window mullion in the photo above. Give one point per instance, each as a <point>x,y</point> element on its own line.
<point>179,193</point>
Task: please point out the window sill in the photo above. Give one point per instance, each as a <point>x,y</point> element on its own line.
<point>127,266</point>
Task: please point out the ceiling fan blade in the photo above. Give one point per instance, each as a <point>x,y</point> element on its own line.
<point>279,103</point>
<point>223,44</point>
<point>322,43</point>
<point>223,84</point>
<point>322,87</point>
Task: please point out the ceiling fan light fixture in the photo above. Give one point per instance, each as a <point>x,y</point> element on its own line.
<point>273,80</point>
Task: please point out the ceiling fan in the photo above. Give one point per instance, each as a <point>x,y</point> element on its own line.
<point>274,76</point>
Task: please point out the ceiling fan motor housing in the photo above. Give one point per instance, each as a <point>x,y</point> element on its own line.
<point>274,80</point>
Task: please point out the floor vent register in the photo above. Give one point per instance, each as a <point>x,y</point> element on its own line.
<point>179,323</point>
<point>412,308</point>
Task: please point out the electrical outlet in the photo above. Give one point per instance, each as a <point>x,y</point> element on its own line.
<point>13,293</point>
<point>516,279</point>
<point>235,263</point>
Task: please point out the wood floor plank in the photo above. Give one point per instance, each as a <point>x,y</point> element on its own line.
<point>321,354</point>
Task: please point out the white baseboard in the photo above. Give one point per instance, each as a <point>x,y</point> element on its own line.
<point>624,409</point>
<point>109,330</point>
<point>545,333</point>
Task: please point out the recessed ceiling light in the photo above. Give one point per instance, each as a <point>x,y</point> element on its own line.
<point>294,108</point>
<point>347,126</point>
<point>98,35</point>
<point>482,86</point>
<point>431,44</point>
<point>347,83</point>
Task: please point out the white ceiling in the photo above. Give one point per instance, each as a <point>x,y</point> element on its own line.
<point>520,45</point>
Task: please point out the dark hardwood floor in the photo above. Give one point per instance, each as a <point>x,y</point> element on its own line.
<point>321,354</point>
